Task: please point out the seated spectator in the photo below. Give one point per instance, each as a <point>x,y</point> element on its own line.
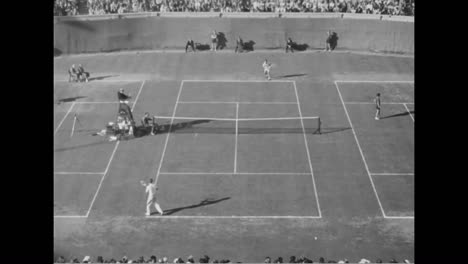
<point>82,74</point>
<point>278,260</point>
<point>61,259</point>
<point>267,260</point>
<point>289,45</point>
<point>72,74</point>
<point>239,45</point>
<point>190,259</point>
<point>378,261</point>
<point>205,259</point>
<point>364,261</point>
<point>190,44</point>
<point>393,261</point>
<point>87,259</point>
<point>292,259</point>
<point>99,259</point>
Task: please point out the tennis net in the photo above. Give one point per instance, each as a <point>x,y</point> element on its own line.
<point>281,125</point>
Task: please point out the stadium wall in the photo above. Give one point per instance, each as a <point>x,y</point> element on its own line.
<point>88,34</point>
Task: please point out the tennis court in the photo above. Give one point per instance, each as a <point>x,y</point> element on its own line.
<point>241,149</point>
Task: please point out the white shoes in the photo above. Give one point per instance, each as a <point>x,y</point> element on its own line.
<point>147,214</point>
<point>376,118</point>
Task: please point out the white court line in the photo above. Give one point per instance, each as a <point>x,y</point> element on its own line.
<point>243,81</point>
<point>307,148</point>
<point>73,127</point>
<point>384,173</point>
<point>388,103</point>
<point>360,150</point>
<point>112,156</point>
<point>80,173</point>
<point>233,102</point>
<point>409,112</point>
<point>99,102</point>
<point>399,217</point>
<point>237,173</point>
<point>362,81</point>
<point>70,216</point>
<point>233,217</point>
<point>169,132</point>
<point>63,119</point>
<point>237,131</point>
<point>239,119</point>
<point>114,81</point>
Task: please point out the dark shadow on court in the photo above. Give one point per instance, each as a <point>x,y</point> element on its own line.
<point>290,75</point>
<point>300,47</point>
<point>329,130</point>
<point>57,52</point>
<point>202,203</point>
<point>249,46</point>
<point>80,25</point>
<point>221,44</point>
<point>227,127</point>
<point>70,99</point>
<point>400,114</point>
<point>202,47</point>
<point>101,77</point>
<point>83,146</point>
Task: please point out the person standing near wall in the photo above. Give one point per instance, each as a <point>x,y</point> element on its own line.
<point>214,40</point>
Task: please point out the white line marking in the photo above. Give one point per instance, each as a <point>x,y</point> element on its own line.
<point>73,127</point>
<point>112,157</point>
<point>307,148</point>
<point>389,103</point>
<point>70,216</point>
<point>97,102</point>
<point>237,173</point>
<point>233,102</point>
<point>238,119</point>
<point>63,119</point>
<point>361,81</point>
<point>399,217</point>
<point>232,217</point>
<point>243,81</point>
<point>384,173</point>
<point>360,150</point>
<point>169,132</point>
<point>112,81</point>
<point>237,131</point>
<point>80,173</point>
<point>409,112</point>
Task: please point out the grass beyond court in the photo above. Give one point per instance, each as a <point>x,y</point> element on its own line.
<point>233,187</point>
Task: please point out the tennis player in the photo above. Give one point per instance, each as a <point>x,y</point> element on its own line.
<point>377,106</point>
<point>266,69</point>
<point>151,190</point>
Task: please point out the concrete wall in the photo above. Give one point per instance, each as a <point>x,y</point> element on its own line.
<point>84,35</point>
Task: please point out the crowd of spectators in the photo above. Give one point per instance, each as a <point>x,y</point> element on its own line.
<point>96,7</point>
<point>66,7</point>
<point>206,259</point>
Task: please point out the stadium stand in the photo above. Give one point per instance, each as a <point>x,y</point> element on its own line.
<point>206,259</point>
<point>101,7</point>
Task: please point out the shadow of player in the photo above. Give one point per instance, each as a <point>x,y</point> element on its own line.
<point>200,204</point>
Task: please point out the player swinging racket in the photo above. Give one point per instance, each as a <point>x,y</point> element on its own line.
<point>266,69</point>
<point>151,190</point>
<point>377,106</point>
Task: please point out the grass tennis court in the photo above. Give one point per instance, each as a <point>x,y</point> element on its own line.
<point>242,161</point>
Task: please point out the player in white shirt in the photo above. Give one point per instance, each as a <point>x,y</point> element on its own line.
<point>151,190</point>
<point>266,69</point>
